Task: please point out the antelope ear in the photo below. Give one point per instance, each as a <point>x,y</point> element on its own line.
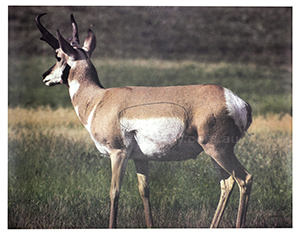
<point>66,47</point>
<point>89,44</point>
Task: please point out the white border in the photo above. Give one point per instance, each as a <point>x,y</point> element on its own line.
<point>296,114</point>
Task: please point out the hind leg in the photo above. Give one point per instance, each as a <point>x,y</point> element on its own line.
<point>226,184</point>
<point>142,169</point>
<point>224,156</point>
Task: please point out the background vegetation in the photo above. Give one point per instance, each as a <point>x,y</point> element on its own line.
<point>216,34</point>
<point>56,177</point>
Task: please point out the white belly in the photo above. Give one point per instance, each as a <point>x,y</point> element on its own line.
<point>153,136</point>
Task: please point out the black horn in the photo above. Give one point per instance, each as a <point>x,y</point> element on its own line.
<point>46,35</point>
<point>66,47</point>
<point>75,38</point>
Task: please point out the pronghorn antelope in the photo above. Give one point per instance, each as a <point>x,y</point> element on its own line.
<point>152,123</point>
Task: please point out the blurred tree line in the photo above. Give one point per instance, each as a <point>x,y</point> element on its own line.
<point>256,35</point>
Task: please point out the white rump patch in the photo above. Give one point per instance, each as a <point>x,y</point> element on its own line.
<point>73,87</point>
<point>237,109</point>
<point>154,136</point>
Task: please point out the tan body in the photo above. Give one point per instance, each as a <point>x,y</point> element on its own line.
<point>108,127</point>
<point>154,124</point>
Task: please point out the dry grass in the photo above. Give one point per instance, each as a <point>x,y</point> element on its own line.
<point>271,123</point>
<point>43,116</point>
<point>61,119</point>
<point>168,64</point>
<point>60,122</point>
<point>164,64</point>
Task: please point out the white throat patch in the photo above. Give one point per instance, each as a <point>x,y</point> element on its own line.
<point>73,87</point>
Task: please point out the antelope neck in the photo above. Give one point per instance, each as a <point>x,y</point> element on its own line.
<point>85,92</point>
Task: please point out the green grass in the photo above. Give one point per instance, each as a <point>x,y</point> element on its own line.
<point>267,89</point>
<point>57,178</point>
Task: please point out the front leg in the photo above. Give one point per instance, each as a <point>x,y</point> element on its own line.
<point>118,167</point>
<point>142,169</point>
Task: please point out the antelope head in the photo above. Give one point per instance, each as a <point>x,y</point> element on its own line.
<point>66,53</point>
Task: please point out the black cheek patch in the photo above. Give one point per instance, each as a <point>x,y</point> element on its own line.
<point>65,74</point>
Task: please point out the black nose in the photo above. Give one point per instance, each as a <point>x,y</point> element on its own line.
<point>47,72</point>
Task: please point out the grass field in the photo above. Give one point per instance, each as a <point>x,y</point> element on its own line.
<point>57,178</point>
<point>267,89</point>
